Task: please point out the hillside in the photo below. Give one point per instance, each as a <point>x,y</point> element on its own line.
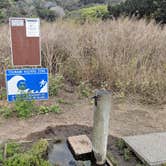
<point>45,9</point>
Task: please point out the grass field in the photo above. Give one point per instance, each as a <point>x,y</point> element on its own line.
<point>127,56</point>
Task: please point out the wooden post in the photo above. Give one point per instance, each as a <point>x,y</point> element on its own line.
<point>101,125</point>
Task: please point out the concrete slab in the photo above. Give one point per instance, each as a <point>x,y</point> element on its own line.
<point>150,148</point>
<point>80,146</point>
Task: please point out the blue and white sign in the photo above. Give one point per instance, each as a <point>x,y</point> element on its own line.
<point>30,83</point>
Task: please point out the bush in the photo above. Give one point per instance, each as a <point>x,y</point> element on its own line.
<point>52,108</point>
<point>39,148</point>
<point>47,14</point>
<point>12,148</point>
<point>2,93</point>
<point>6,112</point>
<point>89,13</point>
<point>32,157</point>
<point>25,160</point>
<point>55,84</point>
<point>84,89</point>
<point>92,13</point>
<point>24,108</point>
<point>150,9</point>
<point>55,109</point>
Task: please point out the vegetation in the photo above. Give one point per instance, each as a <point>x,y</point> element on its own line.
<point>84,89</point>
<point>124,150</point>
<point>140,8</point>
<point>112,158</point>
<point>83,9</point>
<point>46,109</point>
<point>23,108</point>
<point>62,101</point>
<point>16,155</point>
<point>55,84</point>
<point>26,109</point>
<point>125,55</point>
<point>89,13</point>
<point>112,54</point>
<point>12,148</point>
<point>49,10</point>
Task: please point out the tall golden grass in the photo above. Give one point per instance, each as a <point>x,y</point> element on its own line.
<point>124,55</point>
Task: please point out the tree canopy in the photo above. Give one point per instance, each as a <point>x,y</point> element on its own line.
<point>155,9</point>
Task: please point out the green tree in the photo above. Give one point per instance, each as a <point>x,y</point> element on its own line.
<point>47,14</point>
<point>5,4</point>
<point>160,13</point>
<point>140,8</point>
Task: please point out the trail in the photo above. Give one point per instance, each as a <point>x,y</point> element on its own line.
<point>125,119</point>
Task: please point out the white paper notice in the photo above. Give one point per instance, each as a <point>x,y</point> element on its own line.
<point>17,23</point>
<point>32,27</point>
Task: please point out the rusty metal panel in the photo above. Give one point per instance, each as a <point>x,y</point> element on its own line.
<point>25,49</point>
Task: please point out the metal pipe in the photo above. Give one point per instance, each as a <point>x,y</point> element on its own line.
<point>101,125</point>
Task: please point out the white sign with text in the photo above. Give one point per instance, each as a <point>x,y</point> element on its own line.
<point>32,27</point>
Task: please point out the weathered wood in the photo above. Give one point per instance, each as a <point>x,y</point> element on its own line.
<point>80,146</point>
<point>101,125</point>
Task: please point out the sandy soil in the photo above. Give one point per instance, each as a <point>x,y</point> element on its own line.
<point>127,118</point>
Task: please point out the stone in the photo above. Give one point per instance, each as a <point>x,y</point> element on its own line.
<point>150,148</point>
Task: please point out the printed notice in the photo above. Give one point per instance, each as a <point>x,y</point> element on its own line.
<point>32,27</point>
<point>17,23</point>
<point>19,84</point>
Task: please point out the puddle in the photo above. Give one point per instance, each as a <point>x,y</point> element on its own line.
<point>60,155</point>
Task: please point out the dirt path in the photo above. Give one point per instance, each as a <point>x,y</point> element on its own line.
<point>126,119</point>
<point>15,128</point>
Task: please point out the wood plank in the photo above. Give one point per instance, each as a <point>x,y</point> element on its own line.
<point>80,145</point>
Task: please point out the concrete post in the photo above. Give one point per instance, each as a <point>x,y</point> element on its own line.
<point>101,125</point>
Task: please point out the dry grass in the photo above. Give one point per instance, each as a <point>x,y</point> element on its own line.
<point>125,55</point>
<point>4,52</point>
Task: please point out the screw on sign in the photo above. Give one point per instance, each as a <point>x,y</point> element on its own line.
<point>25,41</point>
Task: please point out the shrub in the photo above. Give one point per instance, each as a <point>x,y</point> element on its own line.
<point>89,13</point>
<point>32,157</point>
<point>55,84</point>
<point>52,108</point>
<point>55,109</point>
<point>12,148</point>
<point>39,148</point>
<point>47,14</point>
<point>25,160</point>
<point>150,9</point>
<point>24,108</point>
<point>2,93</point>
<point>94,12</point>
<point>84,89</point>
<point>6,112</point>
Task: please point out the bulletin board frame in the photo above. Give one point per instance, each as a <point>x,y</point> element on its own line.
<point>25,50</point>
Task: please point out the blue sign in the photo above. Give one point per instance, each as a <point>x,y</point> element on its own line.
<point>28,84</point>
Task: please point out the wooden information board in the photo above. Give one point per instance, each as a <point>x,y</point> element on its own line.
<point>25,41</point>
